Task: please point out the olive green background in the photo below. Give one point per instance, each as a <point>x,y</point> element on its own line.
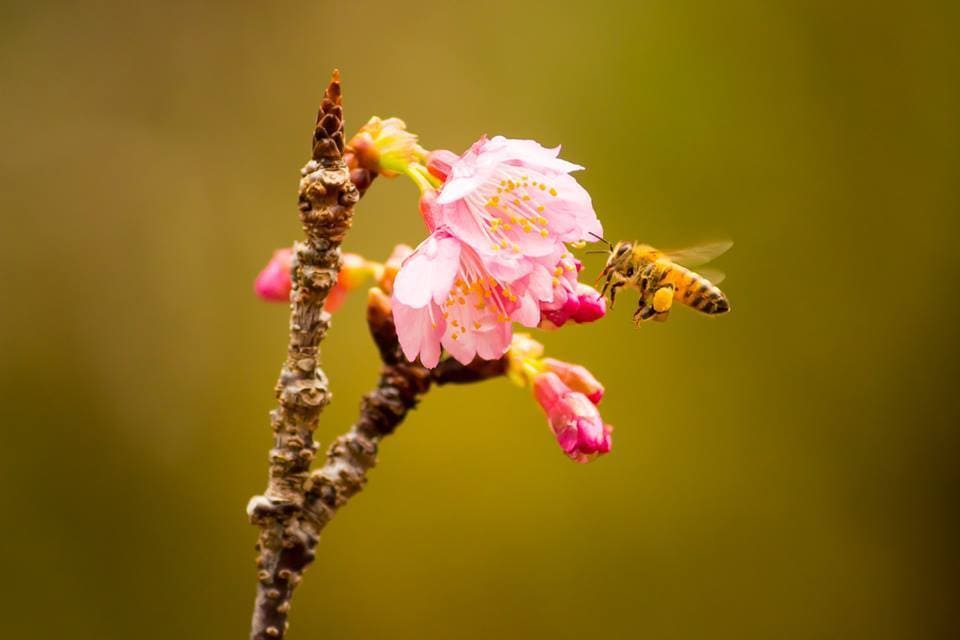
<point>786,471</point>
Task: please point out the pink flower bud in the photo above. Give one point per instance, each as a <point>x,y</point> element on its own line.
<point>577,377</point>
<point>273,282</point>
<point>591,305</point>
<point>440,163</point>
<point>555,318</point>
<point>574,420</point>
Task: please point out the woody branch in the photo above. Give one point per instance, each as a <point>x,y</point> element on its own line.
<point>297,504</point>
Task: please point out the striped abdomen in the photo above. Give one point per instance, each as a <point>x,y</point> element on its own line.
<point>696,292</point>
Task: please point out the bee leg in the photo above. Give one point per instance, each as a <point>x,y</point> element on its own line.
<point>644,311</point>
<point>613,292</point>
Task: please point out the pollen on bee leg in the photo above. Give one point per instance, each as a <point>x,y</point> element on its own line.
<point>663,299</point>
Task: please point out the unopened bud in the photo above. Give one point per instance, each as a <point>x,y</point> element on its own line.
<point>273,282</point>
<point>385,147</point>
<point>576,377</point>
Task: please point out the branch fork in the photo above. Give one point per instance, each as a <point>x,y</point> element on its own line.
<point>298,503</point>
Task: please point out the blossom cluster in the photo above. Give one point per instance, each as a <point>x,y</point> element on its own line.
<point>501,219</point>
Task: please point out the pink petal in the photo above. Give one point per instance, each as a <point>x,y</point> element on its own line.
<point>440,163</point>
<point>419,334</point>
<point>429,272</point>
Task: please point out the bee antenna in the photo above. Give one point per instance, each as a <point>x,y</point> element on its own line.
<point>601,239</point>
<point>597,251</point>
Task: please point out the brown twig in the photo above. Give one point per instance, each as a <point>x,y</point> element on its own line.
<point>295,507</point>
<point>326,202</point>
<point>401,385</point>
<point>353,454</point>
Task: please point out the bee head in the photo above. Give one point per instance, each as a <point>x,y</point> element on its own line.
<point>619,253</point>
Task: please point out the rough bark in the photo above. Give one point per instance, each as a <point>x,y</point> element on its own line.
<point>326,201</point>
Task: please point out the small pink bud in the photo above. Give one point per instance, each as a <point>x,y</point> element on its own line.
<point>555,318</point>
<point>440,163</point>
<point>577,377</point>
<point>273,282</point>
<point>592,306</point>
<point>574,420</point>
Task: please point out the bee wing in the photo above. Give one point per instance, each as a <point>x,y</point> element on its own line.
<point>700,254</point>
<point>715,276</point>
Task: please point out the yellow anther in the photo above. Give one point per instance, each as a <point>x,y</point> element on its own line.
<point>540,209</point>
<point>476,325</point>
<point>516,202</point>
<point>542,221</point>
<point>461,301</point>
<point>454,323</point>
<point>544,233</point>
<point>507,227</point>
<point>542,186</point>
<point>454,336</point>
<point>525,198</point>
<point>556,281</point>
<point>553,191</point>
<point>558,271</point>
<point>495,247</point>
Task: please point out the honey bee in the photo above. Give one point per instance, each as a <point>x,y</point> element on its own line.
<point>662,278</point>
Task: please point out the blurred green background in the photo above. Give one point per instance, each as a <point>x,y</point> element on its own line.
<point>150,163</point>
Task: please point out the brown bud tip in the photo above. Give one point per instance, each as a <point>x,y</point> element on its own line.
<point>328,141</point>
